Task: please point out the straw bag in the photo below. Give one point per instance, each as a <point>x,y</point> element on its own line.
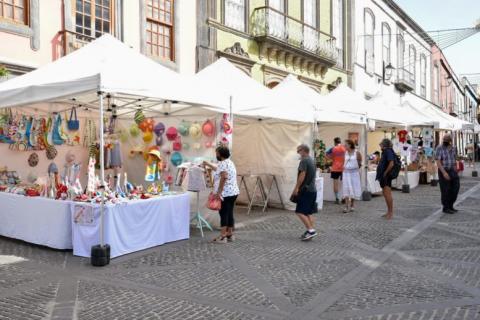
<point>214,203</point>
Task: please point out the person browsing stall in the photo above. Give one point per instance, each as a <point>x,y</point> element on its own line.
<point>226,189</point>
<point>337,155</point>
<point>385,166</point>
<point>446,155</point>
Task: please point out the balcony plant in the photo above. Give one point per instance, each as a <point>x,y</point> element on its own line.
<point>3,71</point>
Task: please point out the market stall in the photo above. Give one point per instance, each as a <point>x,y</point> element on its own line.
<point>93,78</point>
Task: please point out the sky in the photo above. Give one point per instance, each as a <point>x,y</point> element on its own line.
<point>464,56</point>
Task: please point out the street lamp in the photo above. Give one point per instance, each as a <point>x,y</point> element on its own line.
<point>387,71</point>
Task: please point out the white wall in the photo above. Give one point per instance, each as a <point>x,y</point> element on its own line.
<point>372,84</point>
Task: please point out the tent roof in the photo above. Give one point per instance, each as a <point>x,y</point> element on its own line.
<point>105,64</point>
<point>221,80</point>
<point>295,101</point>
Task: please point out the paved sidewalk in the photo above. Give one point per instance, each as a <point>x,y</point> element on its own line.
<point>421,265</point>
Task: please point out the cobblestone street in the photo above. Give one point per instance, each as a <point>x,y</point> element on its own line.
<point>421,265</point>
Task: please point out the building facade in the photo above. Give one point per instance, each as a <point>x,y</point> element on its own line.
<point>392,54</point>
<point>270,39</point>
<point>38,32</point>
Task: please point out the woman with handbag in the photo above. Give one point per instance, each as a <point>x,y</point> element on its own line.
<point>352,188</point>
<point>226,190</point>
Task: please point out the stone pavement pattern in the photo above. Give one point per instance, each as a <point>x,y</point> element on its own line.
<point>420,265</point>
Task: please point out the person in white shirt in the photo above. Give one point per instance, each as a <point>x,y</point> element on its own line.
<point>226,188</point>
<point>352,188</point>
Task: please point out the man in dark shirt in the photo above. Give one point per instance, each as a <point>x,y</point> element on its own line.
<point>305,192</point>
<point>385,165</point>
<point>446,156</point>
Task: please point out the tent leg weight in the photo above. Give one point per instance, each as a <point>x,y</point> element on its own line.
<point>366,196</point>
<point>100,255</point>
<point>474,173</point>
<point>433,182</point>
<point>406,188</point>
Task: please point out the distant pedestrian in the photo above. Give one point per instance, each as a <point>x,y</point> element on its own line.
<point>470,153</point>
<point>446,155</point>
<point>305,192</point>
<point>352,187</point>
<point>226,188</point>
<point>384,169</point>
<point>337,155</point>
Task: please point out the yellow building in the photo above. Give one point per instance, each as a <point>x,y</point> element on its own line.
<point>269,39</point>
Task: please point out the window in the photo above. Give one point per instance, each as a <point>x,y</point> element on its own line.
<point>93,17</point>
<point>423,75</point>
<point>436,85</point>
<point>337,29</point>
<point>400,55</point>
<point>310,41</point>
<point>276,20</point>
<point>235,13</point>
<point>15,10</point>
<point>160,29</point>
<point>369,29</point>
<point>386,40</point>
<point>412,62</point>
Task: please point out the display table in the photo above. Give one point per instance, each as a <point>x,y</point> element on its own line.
<point>131,226</point>
<point>36,220</point>
<point>413,179</point>
<point>328,194</point>
<point>319,181</point>
<point>373,185</point>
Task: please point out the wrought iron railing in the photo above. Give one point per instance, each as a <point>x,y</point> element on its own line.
<point>269,22</point>
<point>406,77</point>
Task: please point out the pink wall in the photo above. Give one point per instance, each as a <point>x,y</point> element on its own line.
<point>446,96</point>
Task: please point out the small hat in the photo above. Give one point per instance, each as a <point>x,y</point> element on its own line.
<point>172,133</point>
<point>208,128</point>
<point>183,128</point>
<point>176,158</point>
<point>195,131</point>
<point>155,153</point>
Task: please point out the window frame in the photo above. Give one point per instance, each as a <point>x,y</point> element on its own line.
<point>423,75</point>
<point>26,13</point>
<point>412,65</point>
<point>93,16</point>
<point>163,24</point>
<point>317,14</point>
<point>372,15</point>
<point>436,84</point>
<point>245,16</point>
<point>389,49</point>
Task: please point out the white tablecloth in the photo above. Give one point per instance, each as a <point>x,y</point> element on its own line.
<point>319,185</point>
<point>373,185</point>
<point>328,194</point>
<point>36,220</point>
<point>413,179</point>
<point>132,226</point>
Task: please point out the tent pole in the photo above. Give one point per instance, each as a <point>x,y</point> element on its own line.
<point>231,121</point>
<point>366,195</point>
<point>406,185</point>
<point>102,170</point>
<point>474,170</point>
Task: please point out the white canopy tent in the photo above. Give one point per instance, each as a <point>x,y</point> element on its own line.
<point>226,87</point>
<point>104,68</point>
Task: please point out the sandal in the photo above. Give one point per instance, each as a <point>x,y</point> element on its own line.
<point>345,210</point>
<point>230,238</point>
<point>220,239</point>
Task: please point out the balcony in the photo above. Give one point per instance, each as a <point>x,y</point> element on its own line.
<point>405,81</point>
<point>291,42</point>
<point>453,109</point>
<point>72,41</point>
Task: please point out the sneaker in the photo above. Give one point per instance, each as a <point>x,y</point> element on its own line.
<point>345,210</point>
<point>449,211</point>
<point>230,238</point>
<point>337,201</point>
<point>303,235</point>
<point>352,209</point>
<point>453,209</point>
<point>309,235</point>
